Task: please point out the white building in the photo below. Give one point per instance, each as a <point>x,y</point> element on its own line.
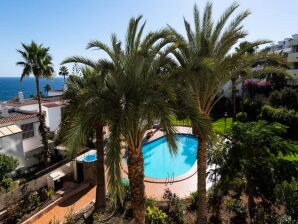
<point>289,46</point>
<point>51,106</point>
<point>19,136</point>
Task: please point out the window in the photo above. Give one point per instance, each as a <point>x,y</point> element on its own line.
<point>28,130</point>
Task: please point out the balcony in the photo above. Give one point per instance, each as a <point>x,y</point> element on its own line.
<point>293,57</point>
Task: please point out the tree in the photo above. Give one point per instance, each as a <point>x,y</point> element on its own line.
<point>254,155</point>
<point>7,165</point>
<point>246,62</point>
<point>203,58</point>
<point>88,111</point>
<point>37,61</point>
<point>47,88</point>
<point>63,71</point>
<point>139,78</point>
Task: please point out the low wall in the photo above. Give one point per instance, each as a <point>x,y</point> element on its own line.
<point>36,184</point>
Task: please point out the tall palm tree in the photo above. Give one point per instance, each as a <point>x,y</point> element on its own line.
<point>37,61</point>
<point>88,111</point>
<point>206,64</point>
<point>139,74</point>
<point>63,71</point>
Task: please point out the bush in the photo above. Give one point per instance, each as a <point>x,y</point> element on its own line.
<point>287,194</point>
<point>252,108</point>
<point>70,217</point>
<point>174,209</point>
<point>241,116</point>
<point>155,216</point>
<point>287,97</point>
<point>238,209</point>
<point>194,200</point>
<point>282,115</point>
<point>7,165</point>
<point>7,183</point>
<point>50,192</point>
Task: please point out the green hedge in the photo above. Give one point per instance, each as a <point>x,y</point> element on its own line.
<point>282,115</point>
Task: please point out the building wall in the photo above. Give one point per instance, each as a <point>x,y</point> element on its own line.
<point>13,145</point>
<point>31,107</point>
<point>53,117</point>
<point>55,93</point>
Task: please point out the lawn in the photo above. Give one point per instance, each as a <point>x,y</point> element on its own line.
<point>219,125</point>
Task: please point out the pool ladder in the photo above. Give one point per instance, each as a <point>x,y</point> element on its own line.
<point>169,179</point>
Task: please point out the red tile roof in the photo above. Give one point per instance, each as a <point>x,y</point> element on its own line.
<point>17,118</point>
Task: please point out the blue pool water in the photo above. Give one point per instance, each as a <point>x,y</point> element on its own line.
<point>159,163</point>
<point>90,158</point>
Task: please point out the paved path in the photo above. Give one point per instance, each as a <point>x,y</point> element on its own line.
<point>76,202</point>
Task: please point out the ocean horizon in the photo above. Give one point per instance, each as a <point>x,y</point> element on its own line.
<point>11,86</point>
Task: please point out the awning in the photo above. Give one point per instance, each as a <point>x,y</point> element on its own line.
<point>9,130</point>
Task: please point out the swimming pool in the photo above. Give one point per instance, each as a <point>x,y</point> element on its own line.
<point>159,163</point>
<point>90,157</point>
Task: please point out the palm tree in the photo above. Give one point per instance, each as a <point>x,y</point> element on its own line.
<point>37,61</point>
<point>63,71</point>
<point>206,64</point>
<point>140,80</point>
<point>47,88</point>
<point>87,112</point>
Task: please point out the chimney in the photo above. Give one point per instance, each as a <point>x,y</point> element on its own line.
<point>5,111</point>
<point>21,98</point>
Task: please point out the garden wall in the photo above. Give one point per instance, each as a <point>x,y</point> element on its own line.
<point>36,184</point>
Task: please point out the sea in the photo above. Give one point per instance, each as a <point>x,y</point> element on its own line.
<point>11,86</point>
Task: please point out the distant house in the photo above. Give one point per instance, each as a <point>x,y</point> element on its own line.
<point>51,106</point>
<point>19,135</point>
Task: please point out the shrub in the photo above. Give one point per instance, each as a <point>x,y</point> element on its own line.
<point>193,200</point>
<point>50,192</point>
<point>287,194</point>
<point>7,183</point>
<point>70,217</point>
<point>7,165</point>
<point>281,115</point>
<point>287,97</point>
<point>238,209</point>
<point>155,216</point>
<point>241,116</point>
<point>252,108</point>
<point>54,220</point>
<point>175,211</point>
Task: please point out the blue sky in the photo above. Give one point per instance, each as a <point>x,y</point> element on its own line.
<point>66,26</point>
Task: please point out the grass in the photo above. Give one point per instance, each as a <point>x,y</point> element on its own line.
<point>219,125</point>
<point>176,122</point>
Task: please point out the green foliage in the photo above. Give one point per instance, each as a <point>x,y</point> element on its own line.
<point>50,192</point>
<point>54,220</point>
<point>238,209</point>
<point>193,200</point>
<point>282,115</point>
<point>241,116</point>
<point>254,158</point>
<point>252,107</point>
<point>7,183</point>
<point>287,97</point>
<point>220,127</point>
<point>287,194</point>
<point>174,208</point>
<point>70,217</point>
<point>149,202</point>
<point>7,165</point>
<point>155,216</point>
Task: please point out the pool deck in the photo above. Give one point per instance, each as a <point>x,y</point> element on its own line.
<point>182,185</point>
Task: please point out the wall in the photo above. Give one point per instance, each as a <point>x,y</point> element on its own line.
<point>30,107</point>
<point>53,117</point>
<point>13,145</point>
<point>36,184</point>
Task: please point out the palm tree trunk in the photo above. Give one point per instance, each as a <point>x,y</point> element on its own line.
<point>42,126</point>
<point>100,202</point>
<point>234,90</point>
<point>251,201</point>
<point>136,184</point>
<point>202,168</point>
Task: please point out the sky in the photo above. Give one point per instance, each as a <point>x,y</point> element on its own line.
<point>66,26</point>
